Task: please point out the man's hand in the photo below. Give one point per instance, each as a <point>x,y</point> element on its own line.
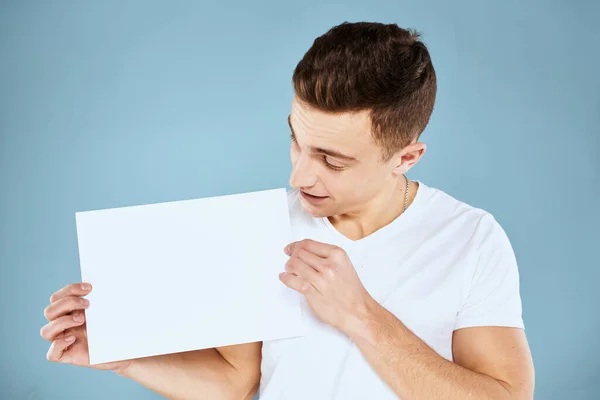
<point>324,274</point>
<point>230,372</point>
<point>66,328</point>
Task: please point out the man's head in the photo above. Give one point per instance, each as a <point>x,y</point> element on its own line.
<point>364,92</point>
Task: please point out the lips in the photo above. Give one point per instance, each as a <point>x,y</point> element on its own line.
<point>312,199</point>
<point>313,195</point>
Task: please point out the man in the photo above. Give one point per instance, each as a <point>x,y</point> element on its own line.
<point>409,293</point>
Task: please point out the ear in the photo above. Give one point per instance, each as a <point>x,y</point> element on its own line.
<point>408,157</point>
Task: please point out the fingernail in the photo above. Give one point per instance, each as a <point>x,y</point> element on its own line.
<point>78,318</point>
<point>286,250</point>
<point>85,302</point>
<point>86,286</point>
<point>69,338</point>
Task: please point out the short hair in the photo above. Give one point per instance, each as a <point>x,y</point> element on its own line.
<point>371,66</point>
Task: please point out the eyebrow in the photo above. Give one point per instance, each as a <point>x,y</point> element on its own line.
<point>329,152</point>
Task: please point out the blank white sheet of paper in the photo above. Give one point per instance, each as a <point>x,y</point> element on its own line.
<point>187,275</point>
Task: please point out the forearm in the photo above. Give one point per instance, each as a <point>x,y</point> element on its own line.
<point>412,369</point>
<point>203,374</point>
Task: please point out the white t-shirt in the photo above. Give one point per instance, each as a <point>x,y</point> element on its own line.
<point>440,266</point>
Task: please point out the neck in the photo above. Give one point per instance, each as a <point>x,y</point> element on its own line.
<point>377,213</point>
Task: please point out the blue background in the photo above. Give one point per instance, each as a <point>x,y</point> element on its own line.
<point>116,103</point>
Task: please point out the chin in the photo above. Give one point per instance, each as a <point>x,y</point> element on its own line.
<point>313,211</point>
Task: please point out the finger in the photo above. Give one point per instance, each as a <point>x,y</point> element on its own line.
<point>320,249</point>
<point>311,259</point>
<point>74,289</point>
<point>294,282</point>
<point>52,330</point>
<point>58,347</point>
<point>64,306</point>
<point>307,273</point>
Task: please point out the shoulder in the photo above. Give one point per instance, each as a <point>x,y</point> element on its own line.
<point>476,223</point>
<point>441,207</point>
<point>490,286</point>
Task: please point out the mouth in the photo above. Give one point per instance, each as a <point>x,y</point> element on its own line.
<point>311,198</point>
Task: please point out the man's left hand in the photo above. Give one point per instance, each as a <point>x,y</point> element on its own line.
<point>325,275</point>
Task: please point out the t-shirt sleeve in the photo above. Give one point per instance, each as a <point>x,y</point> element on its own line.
<point>492,293</point>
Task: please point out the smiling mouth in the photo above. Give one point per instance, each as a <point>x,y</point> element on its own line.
<point>312,199</point>
<point>312,195</point>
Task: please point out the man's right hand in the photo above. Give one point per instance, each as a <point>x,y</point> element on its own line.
<point>66,328</point>
<point>230,372</point>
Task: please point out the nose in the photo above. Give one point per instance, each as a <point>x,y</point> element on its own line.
<point>303,174</point>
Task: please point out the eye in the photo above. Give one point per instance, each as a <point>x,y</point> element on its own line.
<point>333,166</point>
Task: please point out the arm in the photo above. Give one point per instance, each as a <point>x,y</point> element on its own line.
<point>231,372</point>
<point>490,362</point>
<point>492,358</point>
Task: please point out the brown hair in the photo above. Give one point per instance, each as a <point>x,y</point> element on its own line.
<point>371,66</point>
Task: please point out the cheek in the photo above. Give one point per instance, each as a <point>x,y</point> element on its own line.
<point>355,186</point>
<point>342,185</point>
